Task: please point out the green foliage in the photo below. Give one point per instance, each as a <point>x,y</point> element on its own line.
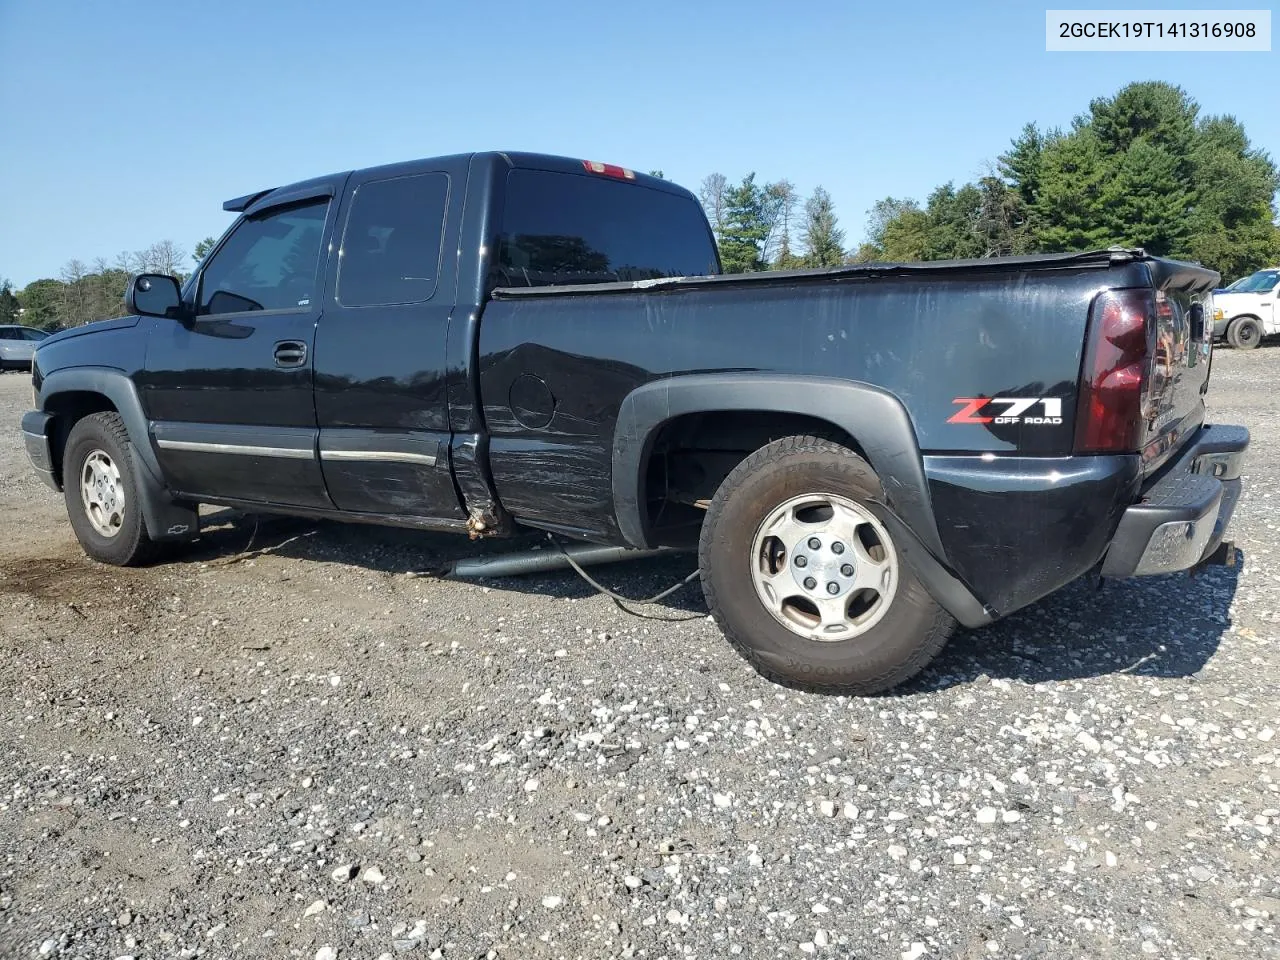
<point>1156,113</point>
<point>952,217</point>
<point>1020,165</point>
<point>1231,226</point>
<point>744,227</point>
<point>1146,203</point>
<point>9,305</point>
<point>1141,168</point>
<point>41,302</point>
<point>779,252</point>
<point>204,246</point>
<point>983,220</point>
<point>866,253</point>
<point>897,231</point>
<point>823,240</point>
<point>85,293</point>
<point>1002,223</point>
<point>1069,199</point>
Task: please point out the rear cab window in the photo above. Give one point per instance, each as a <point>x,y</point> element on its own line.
<point>564,228</point>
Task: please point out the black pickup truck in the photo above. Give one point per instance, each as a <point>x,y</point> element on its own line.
<point>481,343</point>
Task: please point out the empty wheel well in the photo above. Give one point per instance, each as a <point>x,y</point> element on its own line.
<point>691,455</point>
<point>68,409</point>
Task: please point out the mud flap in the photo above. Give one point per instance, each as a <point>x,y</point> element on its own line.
<point>165,518</point>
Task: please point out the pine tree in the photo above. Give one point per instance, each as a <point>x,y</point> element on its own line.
<point>744,227</point>
<point>9,305</point>
<point>823,240</point>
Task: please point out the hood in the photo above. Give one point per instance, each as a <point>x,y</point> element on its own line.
<point>1231,302</point>
<point>119,323</point>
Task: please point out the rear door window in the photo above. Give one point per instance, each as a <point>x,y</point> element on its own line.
<point>391,243</point>
<point>562,228</point>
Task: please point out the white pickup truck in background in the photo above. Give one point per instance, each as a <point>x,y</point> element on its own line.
<point>1246,311</point>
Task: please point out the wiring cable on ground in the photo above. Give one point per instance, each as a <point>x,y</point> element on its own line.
<point>622,601</point>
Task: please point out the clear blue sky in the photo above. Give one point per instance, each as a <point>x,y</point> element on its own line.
<point>128,122</point>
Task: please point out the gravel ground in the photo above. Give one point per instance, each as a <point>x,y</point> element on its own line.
<point>305,752</point>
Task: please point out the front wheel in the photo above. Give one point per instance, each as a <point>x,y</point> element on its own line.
<point>1245,333</point>
<point>100,487</point>
<point>804,579</point>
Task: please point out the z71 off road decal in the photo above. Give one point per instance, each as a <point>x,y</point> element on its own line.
<point>1008,410</point>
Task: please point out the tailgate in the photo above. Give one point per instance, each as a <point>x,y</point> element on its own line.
<point>1182,345</point>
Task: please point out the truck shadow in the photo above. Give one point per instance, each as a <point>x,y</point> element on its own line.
<point>1166,626</point>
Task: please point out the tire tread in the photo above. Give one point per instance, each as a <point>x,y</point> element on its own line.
<point>136,547</point>
<point>774,455</point>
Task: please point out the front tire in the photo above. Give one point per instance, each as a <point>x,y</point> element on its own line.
<point>805,581</point>
<point>1244,333</point>
<point>100,487</point>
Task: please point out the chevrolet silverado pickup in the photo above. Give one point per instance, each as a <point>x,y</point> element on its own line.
<point>485,343</point>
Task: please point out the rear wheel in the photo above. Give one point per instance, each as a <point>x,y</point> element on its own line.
<point>804,579</point>
<point>1244,333</point>
<point>100,487</point>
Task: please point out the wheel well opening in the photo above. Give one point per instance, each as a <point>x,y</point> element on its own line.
<point>691,455</point>
<point>68,409</point>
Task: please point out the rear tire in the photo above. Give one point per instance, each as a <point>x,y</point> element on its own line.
<point>877,628</point>
<point>1244,333</point>
<point>100,487</point>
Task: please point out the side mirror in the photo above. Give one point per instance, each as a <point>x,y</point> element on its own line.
<point>154,295</point>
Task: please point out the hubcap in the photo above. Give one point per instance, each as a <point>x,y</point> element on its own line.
<point>102,492</point>
<point>824,567</point>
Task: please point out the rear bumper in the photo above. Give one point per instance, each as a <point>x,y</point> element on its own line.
<point>1182,516</point>
<point>35,434</point>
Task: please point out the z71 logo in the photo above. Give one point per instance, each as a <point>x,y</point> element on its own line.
<point>1008,410</point>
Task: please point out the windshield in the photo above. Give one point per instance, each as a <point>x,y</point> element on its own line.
<point>1260,282</point>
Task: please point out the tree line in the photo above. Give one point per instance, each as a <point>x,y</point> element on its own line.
<point>1141,168</point>
<point>83,292</point>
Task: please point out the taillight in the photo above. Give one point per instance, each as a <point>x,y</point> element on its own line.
<point>608,170</point>
<point>1117,362</point>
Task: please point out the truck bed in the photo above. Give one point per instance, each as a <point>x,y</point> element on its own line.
<point>985,265</point>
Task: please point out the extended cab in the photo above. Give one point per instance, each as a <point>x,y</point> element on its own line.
<point>862,455</point>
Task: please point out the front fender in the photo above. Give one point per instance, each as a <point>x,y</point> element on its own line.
<point>165,518</point>
<point>118,388</point>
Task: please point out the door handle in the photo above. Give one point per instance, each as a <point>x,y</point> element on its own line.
<point>291,353</point>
